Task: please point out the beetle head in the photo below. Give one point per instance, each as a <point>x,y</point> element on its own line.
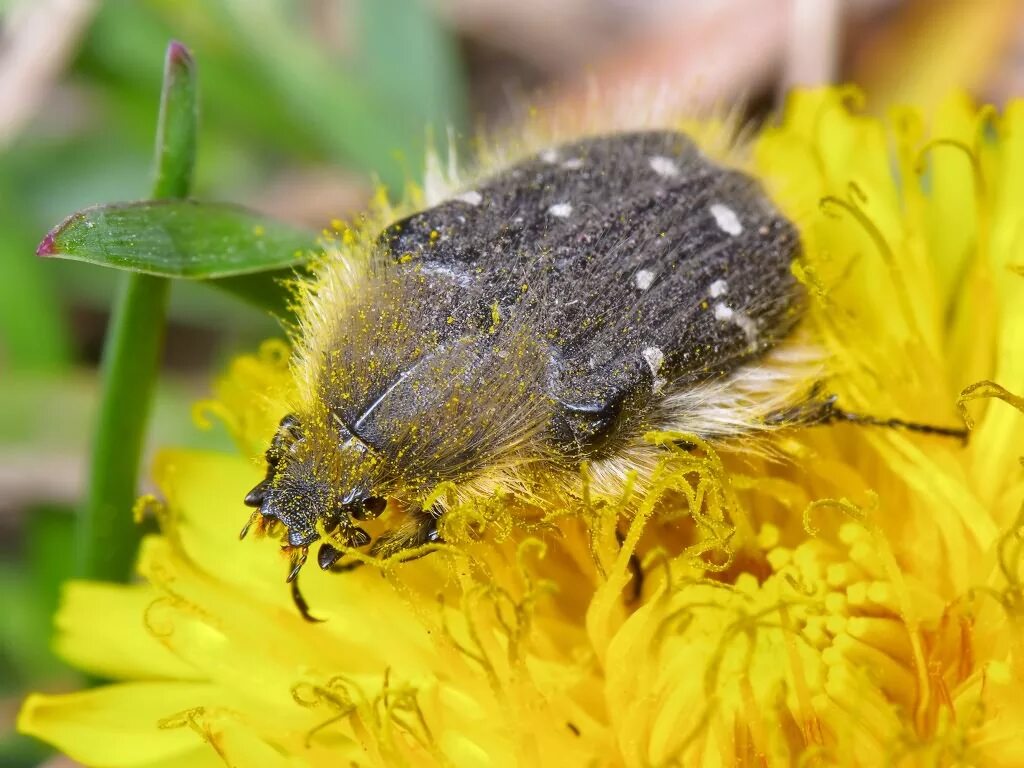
<point>316,492</point>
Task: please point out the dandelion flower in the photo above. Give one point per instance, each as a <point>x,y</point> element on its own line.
<point>854,597</point>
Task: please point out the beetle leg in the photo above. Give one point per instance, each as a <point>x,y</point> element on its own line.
<point>819,410</point>
<point>420,529</point>
<point>837,414</point>
<point>298,559</point>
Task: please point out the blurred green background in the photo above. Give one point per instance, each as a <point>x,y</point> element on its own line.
<point>305,106</point>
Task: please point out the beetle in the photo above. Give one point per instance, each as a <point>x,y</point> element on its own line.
<point>552,314</point>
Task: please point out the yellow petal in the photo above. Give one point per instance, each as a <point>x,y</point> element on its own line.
<point>203,493</point>
<point>101,629</point>
<point>117,725</point>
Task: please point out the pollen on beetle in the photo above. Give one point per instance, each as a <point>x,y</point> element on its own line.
<point>561,210</point>
<point>664,166</point>
<point>726,219</point>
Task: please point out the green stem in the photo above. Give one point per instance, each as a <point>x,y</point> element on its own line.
<point>107,537</point>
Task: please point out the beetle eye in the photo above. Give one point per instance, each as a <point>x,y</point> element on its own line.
<point>370,508</point>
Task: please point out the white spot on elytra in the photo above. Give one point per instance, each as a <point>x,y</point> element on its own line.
<point>643,279</point>
<point>573,164</point>
<point>549,156</point>
<point>726,219</point>
<point>749,328</point>
<point>457,276</point>
<point>663,166</point>
<point>561,210</point>
<point>472,197</point>
<point>726,314</point>
<point>718,288</point>
<point>655,358</point>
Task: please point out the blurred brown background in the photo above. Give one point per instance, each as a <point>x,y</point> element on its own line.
<point>304,102</point>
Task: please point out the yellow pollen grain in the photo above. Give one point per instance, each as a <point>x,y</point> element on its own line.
<point>495,317</point>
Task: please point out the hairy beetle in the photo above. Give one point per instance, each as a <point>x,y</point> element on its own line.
<point>555,312</point>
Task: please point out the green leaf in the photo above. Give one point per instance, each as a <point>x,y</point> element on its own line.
<point>178,238</point>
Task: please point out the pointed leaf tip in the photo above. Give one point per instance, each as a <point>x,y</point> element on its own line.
<point>48,247</point>
<point>178,54</point>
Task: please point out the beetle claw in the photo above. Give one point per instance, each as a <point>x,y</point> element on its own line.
<point>298,560</point>
<point>302,605</point>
